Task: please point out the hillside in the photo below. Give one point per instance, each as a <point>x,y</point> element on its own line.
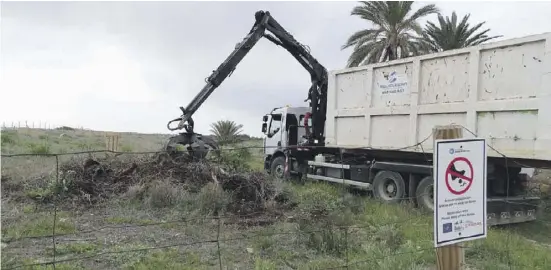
<point>137,211</point>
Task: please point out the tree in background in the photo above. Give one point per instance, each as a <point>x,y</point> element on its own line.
<point>226,131</point>
<point>449,35</point>
<point>396,32</point>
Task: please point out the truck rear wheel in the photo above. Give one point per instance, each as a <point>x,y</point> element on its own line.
<point>425,194</point>
<point>389,186</point>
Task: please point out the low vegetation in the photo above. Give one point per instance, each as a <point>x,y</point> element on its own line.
<point>133,211</point>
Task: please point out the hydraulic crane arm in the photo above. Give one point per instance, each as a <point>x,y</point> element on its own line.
<point>279,36</point>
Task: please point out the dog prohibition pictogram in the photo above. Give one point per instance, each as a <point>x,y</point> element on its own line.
<point>459,175</point>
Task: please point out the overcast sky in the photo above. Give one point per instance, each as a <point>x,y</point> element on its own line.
<point>128,66</point>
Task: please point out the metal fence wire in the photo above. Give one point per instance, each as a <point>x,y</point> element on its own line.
<point>112,210</point>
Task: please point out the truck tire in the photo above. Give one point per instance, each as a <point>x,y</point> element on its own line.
<point>277,168</point>
<point>389,186</point>
<point>425,194</point>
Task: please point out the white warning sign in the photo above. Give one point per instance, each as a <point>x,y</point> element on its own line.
<point>460,191</point>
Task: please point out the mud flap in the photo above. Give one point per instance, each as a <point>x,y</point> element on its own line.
<point>412,187</point>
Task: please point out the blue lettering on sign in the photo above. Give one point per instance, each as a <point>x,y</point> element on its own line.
<point>392,83</point>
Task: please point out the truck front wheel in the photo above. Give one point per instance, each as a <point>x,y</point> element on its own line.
<point>389,186</point>
<point>425,194</point>
<point>277,168</point>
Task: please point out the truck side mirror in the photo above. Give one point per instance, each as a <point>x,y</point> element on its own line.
<point>264,127</point>
<point>265,118</point>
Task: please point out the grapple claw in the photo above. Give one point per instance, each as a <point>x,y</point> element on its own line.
<point>192,144</point>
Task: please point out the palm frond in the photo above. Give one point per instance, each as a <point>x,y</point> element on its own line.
<point>452,34</point>
<point>361,37</point>
<point>395,24</point>
<point>361,53</point>
<point>226,131</point>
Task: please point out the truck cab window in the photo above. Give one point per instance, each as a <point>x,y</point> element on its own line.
<point>275,124</point>
<point>291,120</point>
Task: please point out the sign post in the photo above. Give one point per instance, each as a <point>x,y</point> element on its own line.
<point>460,194</point>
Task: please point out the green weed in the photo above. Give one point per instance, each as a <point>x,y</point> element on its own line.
<point>39,148</point>
<point>8,137</point>
<point>169,259</point>
<point>39,224</point>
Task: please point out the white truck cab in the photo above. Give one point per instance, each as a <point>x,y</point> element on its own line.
<point>283,127</point>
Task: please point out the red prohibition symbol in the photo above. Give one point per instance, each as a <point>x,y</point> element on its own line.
<point>462,177</point>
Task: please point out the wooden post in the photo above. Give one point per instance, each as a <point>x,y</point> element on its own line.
<point>450,257</point>
<point>112,142</point>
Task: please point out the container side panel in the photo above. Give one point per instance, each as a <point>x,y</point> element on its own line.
<point>445,80</point>
<point>391,85</point>
<point>501,91</point>
<point>351,131</point>
<point>390,131</point>
<point>426,122</point>
<point>513,133</point>
<point>351,91</point>
<point>511,72</point>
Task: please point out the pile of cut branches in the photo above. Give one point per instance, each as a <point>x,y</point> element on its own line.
<point>95,180</point>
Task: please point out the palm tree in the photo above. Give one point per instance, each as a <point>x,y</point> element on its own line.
<point>226,131</point>
<point>396,32</point>
<point>449,35</point>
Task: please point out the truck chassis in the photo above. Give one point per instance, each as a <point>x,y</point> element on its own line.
<point>399,176</point>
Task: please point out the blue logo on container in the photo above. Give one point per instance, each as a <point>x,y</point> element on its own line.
<point>392,77</point>
<point>451,151</point>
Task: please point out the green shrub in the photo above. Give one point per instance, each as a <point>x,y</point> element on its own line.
<point>39,148</point>
<point>65,128</point>
<point>54,188</point>
<point>235,159</point>
<point>317,200</point>
<point>8,138</point>
<point>264,264</point>
<point>82,146</point>
<point>324,237</point>
<point>168,259</point>
<point>126,148</point>
<point>390,235</point>
<point>38,225</point>
<point>164,194</point>
<point>212,199</point>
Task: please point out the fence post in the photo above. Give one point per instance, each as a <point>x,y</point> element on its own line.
<point>450,257</point>
<point>112,142</point>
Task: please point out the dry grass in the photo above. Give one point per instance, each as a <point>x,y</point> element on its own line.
<point>40,141</point>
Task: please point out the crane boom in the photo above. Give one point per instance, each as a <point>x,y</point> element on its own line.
<point>264,22</point>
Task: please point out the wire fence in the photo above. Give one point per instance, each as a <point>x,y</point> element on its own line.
<point>106,209</point>
<point>36,125</point>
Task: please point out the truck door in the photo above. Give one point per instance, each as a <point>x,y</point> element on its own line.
<point>274,134</point>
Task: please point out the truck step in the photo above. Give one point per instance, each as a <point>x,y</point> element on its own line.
<point>329,165</point>
<point>339,181</point>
